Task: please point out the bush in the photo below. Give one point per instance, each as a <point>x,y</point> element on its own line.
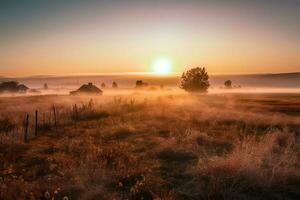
<point>228,84</point>
<point>139,84</point>
<point>114,85</point>
<point>195,80</point>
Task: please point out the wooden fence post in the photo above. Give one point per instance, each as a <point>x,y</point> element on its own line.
<point>44,119</point>
<point>55,120</point>
<point>36,123</point>
<point>26,123</point>
<point>76,112</point>
<point>57,116</point>
<point>50,117</point>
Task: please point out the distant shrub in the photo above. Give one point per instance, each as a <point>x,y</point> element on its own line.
<point>12,86</point>
<point>114,85</point>
<point>139,84</point>
<point>195,80</point>
<point>45,86</point>
<point>228,84</point>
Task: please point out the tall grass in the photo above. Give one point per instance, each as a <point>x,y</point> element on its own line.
<point>150,147</point>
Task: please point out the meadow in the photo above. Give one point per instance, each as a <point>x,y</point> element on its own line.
<point>151,145</point>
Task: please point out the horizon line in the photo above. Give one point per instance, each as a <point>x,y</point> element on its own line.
<point>171,74</point>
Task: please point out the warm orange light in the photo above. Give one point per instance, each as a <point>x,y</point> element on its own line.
<point>162,66</point>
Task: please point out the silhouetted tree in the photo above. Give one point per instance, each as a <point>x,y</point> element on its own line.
<point>139,84</point>
<point>45,86</point>
<point>114,85</point>
<point>9,85</point>
<point>228,84</point>
<point>12,86</point>
<point>195,80</point>
<point>103,85</point>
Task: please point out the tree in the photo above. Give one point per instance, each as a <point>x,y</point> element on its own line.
<point>195,80</point>
<point>228,84</point>
<point>45,86</point>
<point>139,84</point>
<point>103,85</point>
<point>12,86</point>
<point>114,85</point>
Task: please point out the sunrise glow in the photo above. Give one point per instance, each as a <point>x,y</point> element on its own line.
<point>140,99</point>
<point>112,37</point>
<point>162,66</point>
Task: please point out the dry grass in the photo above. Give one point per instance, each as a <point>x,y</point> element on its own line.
<point>152,146</point>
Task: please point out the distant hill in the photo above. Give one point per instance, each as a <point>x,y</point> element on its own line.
<point>280,80</point>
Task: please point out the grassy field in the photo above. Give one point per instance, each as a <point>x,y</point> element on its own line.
<point>151,146</point>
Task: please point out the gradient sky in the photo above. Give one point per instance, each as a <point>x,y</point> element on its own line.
<point>57,37</point>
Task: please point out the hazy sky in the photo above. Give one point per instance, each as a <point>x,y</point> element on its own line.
<point>111,36</point>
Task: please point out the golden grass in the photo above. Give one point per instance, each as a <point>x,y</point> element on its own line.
<point>152,146</point>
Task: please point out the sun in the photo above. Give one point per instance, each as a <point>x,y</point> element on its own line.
<point>162,66</point>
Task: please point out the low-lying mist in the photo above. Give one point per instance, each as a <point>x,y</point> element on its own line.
<point>285,80</point>
<point>151,91</point>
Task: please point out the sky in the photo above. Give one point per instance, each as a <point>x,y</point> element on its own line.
<point>39,37</point>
